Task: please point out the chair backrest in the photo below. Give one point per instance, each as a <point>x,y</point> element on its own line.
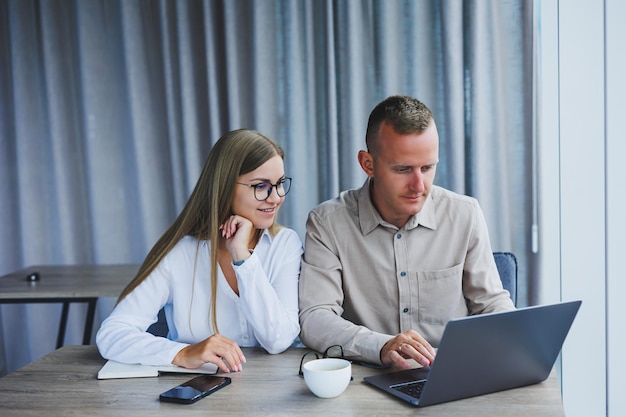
<point>160,327</point>
<point>507,268</point>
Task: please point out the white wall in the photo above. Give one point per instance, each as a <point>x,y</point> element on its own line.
<point>582,87</point>
<point>616,204</point>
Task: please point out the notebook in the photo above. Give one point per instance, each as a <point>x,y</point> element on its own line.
<point>113,369</point>
<point>486,353</point>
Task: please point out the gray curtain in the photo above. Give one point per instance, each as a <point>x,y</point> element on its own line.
<point>108,109</point>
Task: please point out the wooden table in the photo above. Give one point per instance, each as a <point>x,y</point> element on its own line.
<point>64,383</point>
<point>67,284</point>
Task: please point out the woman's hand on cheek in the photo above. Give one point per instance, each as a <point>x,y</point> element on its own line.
<point>237,231</point>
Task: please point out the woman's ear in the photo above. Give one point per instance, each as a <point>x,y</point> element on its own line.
<point>366,160</point>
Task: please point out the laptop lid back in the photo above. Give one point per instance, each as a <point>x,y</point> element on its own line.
<point>494,352</point>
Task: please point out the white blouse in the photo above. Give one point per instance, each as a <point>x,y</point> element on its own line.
<point>264,314</point>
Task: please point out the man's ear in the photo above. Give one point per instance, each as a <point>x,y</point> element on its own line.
<point>366,160</point>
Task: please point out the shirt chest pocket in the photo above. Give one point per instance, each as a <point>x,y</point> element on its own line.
<point>440,295</point>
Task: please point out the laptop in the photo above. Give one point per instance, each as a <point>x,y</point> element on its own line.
<point>486,353</point>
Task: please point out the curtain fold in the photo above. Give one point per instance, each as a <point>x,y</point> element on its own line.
<point>108,109</point>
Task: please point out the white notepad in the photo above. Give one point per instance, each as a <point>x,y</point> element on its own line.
<point>113,369</point>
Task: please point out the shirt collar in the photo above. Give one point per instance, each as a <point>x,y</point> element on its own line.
<point>267,236</point>
<point>369,217</point>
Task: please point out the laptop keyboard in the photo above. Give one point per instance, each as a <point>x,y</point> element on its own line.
<point>413,388</point>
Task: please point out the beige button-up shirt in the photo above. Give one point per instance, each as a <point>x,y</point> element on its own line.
<point>363,280</point>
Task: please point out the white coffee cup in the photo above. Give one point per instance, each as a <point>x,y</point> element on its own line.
<point>328,377</point>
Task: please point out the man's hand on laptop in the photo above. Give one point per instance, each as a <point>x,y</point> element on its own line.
<point>407,345</point>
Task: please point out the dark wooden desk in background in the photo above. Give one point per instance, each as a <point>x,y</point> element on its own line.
<point>67,284</point>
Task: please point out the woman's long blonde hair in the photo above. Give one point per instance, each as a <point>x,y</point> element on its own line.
<point>236,153</point>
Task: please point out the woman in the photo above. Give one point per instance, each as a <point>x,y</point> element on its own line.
<point>224,271</point>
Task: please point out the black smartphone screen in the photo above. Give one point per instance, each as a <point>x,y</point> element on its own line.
<point>194,389</point>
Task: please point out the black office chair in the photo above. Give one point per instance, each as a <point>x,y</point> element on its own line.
<point>160,327</point>
<point>507,268</point>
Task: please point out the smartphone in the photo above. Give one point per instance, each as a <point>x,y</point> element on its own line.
<point>194,389</point>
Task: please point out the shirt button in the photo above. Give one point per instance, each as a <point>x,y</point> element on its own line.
<point>402,274</point>
<point>399,235</point>
<point>406,310</point>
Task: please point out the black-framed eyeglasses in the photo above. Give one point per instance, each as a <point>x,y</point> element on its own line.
<point>263,190</point>
<point>336,352</point>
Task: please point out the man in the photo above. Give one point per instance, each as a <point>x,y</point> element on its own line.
<point>387,265</point>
